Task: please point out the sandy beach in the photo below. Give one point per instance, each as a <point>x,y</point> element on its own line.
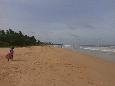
<point>49,66</point>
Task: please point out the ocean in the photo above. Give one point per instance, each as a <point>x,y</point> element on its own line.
<point>107,52</point>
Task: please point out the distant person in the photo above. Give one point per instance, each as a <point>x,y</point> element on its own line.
<point>10,54</point>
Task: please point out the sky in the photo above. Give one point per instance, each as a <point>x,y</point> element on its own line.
<point>87,21</point>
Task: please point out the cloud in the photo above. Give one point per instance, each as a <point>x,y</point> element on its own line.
<point>59,19</point>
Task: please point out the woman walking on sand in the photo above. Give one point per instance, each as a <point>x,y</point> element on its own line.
<point>10,54</point>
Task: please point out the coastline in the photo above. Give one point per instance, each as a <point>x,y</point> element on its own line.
<point>49,66</point>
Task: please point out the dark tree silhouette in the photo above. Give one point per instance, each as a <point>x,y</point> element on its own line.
<point>12,38</point>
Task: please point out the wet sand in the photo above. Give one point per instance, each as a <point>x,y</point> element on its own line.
<point>48,66</point>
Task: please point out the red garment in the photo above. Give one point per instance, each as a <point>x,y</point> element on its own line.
<point>11,52</point>
<point>9,55</point>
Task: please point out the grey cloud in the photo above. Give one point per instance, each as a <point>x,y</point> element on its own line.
<point>60,19</point>
<point>89,26</point>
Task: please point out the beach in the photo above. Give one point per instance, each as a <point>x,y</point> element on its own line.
<point>49,66</point>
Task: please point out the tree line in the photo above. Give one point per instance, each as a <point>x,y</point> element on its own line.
<point>12,38</point>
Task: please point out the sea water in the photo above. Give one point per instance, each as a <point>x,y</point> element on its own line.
<point>107,52</point>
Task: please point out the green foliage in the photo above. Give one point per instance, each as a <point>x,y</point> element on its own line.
<point>12,38</point>
<point>4,44</point>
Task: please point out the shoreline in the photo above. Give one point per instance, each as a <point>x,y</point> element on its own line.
<point>49,66</point>
<point>97,54</point>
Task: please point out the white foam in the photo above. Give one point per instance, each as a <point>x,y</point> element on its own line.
<point>113,50</point>
<point>102,49</point>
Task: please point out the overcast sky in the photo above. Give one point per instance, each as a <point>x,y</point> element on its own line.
<point>87,20</point>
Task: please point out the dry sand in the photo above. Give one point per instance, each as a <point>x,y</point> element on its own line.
<point>48,66</point>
